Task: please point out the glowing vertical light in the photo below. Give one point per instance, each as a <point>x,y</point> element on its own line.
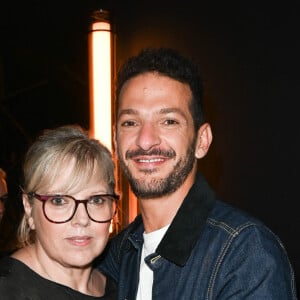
<point>100,77</point>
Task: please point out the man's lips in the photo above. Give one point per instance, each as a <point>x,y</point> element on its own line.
<point>150,160</point>
<point>149,164</point>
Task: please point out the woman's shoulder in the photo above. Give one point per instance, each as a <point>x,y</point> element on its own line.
<point>10,266</point>
<point>14,277</point>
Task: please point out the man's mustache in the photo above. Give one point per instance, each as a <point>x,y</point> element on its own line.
<point>140,152</point>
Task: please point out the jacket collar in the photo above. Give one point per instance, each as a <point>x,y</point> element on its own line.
<point>188,223</point>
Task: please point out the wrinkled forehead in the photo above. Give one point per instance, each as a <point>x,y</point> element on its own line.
<point>154,91</point>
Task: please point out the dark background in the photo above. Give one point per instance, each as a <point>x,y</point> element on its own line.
<point>248,53</point>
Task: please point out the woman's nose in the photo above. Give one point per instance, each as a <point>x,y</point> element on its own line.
<point>81,216</point>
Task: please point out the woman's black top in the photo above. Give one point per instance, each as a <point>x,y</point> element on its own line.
<point>19,282</point>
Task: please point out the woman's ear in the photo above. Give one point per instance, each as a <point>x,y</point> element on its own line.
<point>204,139</point>
<point>28,211</point>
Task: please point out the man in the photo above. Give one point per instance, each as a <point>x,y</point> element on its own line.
<point>186,244</point>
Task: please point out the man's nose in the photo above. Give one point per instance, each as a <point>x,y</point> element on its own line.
<point>148,136</point>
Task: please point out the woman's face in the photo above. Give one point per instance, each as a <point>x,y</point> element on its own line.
<point>74,243</point>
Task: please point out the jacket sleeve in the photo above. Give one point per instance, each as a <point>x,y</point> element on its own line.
<point>253,265</point>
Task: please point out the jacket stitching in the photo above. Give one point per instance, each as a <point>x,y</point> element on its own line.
<point>232,234</point>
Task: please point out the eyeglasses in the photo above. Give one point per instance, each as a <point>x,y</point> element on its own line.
<point>3,198</point>
<point>62,208</point>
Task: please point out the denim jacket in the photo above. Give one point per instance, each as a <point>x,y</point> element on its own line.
<point>211,250</point>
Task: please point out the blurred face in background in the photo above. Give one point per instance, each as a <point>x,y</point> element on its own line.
<point>3,193</point>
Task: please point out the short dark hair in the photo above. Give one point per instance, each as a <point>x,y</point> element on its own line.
<point>168,62</point>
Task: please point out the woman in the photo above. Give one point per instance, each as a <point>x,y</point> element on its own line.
<point>69,202</point>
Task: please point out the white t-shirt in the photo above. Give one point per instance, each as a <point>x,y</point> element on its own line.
<point>151,241</point>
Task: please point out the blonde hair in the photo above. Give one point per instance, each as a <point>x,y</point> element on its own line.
<point>43,161</point>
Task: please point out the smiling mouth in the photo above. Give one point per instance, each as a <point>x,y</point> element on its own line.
<point>151,160</point>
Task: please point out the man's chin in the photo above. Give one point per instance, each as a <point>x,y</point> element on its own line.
<point>149,179</point>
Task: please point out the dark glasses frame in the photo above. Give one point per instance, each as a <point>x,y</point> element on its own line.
<point>44,198</point>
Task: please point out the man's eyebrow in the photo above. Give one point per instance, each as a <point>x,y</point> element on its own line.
<point>172,110</point>
<point>128,111</point>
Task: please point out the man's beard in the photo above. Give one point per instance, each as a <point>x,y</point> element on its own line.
<point>158,187</point>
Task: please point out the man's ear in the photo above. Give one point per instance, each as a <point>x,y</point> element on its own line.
<point>204,139</point>
<point>28,211</point>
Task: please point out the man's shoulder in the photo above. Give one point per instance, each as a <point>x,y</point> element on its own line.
<point>234,220</point>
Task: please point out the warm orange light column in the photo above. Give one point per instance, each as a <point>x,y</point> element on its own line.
<point>100,80</point>
<point>100,77</point>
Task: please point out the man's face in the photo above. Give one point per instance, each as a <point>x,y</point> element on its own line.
<point>155,134</point>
